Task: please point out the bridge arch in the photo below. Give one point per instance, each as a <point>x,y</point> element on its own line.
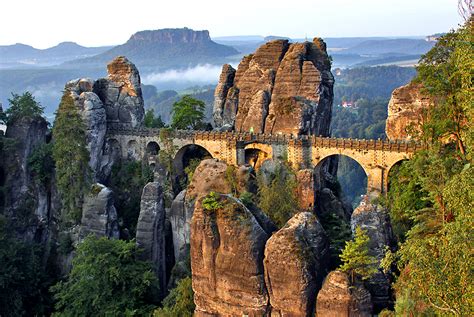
<point>256,153</point>
<point>352,177</point>
<point>187,156</point>
<point>152,148</point>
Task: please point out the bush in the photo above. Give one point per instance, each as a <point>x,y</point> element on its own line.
<point>179,302</point>
<point>212,202</point>
<point>107,279</point>
<point>41,163</point>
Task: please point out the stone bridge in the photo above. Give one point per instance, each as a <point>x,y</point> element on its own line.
<point>376,157</point>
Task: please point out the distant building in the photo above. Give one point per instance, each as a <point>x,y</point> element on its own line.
<point>349,104</point>
<point>337,71</point>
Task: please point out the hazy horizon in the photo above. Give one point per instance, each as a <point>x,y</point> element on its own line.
<point>103,23</point>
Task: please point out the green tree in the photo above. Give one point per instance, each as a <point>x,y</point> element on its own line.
<point>22,106</point>
<point>23,279</point>
<point>41,163</point>
<point>179,302</point>
<point>356,260</point>
<point>72,158</point>
<point>150,121</point>
<point>107,279</point>
<point>434,190</point>
<point>277,198</point>
<point>188,113</point>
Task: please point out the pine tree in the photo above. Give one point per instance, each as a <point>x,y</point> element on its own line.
<point>356,260</point>
<point>72,158</point>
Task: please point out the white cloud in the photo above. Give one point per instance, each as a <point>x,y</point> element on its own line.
<point>200,74</point>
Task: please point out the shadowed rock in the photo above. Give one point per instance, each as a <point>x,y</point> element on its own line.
<point>151,229</point>
<point>338,298</point>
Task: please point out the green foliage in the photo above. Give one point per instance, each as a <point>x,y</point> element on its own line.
<point>188,113</point>
<point>231,178</point>
<point>23,279</point>
<point>189,170</point>
<point>433,192</point>
<point>248,199</point>
<point>41,163</point>
<point>338,232</point>
<point>277,199</point>
<point>127,181</point>
<point>179,302</point>
<point>356,260</point>
<point>107,279</point>
<point>150,121</point>
<point>72,159</point>
<point>22,106</point>
<point>65,242</point>
<point>212,202</point>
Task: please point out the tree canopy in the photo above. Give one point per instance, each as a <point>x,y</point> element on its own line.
<point>22,106</point>
<point>72,158</point>
<point>188,113</point>
<point>107,279</point>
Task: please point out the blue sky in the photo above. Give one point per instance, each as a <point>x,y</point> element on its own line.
<point>108,22</point>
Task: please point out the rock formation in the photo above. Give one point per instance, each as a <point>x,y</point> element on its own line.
<point>338,298</point>
<point>405,111</point>
<point>99,216</point>
<point>295,264</point>
<point>121,93</point>
<point>376,222</point>
<point>115,101</point>
<point>227,246</point>
<point>281,88</point>
<point>151,229</point>
<point>24,198</point>
<point>179,216</point>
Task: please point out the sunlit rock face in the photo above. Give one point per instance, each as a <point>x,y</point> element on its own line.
<point>295,264</point>
<point>405,111</point>
<point>281,88</point>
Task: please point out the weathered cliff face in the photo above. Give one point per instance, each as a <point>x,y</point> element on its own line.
<point>179,216</point>
<point>338,298</point>
<point>113,101</point>
<point>30,204</point>
<point>295,264</point>
<point>151,230</point>
<point>227,246</point>
<point>281,88</point>
<point>93,113</point>
<point>405,111</point>
<point>375,220</point>
<point>99,216</point>
<point>121,93</point>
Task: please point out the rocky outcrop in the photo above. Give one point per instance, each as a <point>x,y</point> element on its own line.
<point>99,216</point>
<point>121,94</point>
<point>227,246</point>
<point>179,216</point>
<point>305,189</point>
<point>338,298</point>
<point>281,88</point>
<point>405,111</point>
<point>29,203</point>
<point>93,113</point>
<point>375,220</point>
<point>295,264</point>
<point>115,101</point>
<point>151,230</point>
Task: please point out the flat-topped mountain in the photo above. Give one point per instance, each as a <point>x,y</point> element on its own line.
<point>166,48</point>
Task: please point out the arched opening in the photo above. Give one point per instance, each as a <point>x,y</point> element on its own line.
<point>186,161</point>
<point>132,150</point>
<point>255,157</point>
<point>393,174</point>
<point>344,176</point>
<point>152,148</point>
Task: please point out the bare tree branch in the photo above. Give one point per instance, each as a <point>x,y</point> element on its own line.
<point>465,9</point>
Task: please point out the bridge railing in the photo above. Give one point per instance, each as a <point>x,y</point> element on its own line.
<point>315,141</point>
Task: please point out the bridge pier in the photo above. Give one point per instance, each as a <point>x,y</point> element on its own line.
<point>376,181</point>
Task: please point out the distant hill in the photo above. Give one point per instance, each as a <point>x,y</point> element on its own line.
<point>18,55</point>
<point>390,46</point>
<point>166,48</point>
